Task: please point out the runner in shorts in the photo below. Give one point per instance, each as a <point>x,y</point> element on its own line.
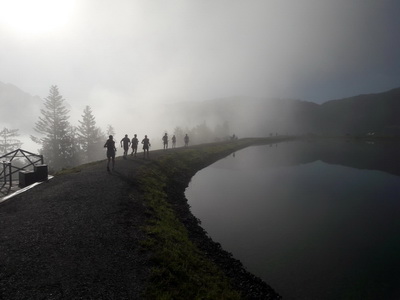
<point>134,144</point>
<point>110,145</point>
<point>173,141</point>
<point>126,141</point>
<point>165,141</point>
<point>146,146</point>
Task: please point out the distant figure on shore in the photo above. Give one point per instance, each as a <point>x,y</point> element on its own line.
<point>146,146</point>
<point>186,139</point>
<point>165,141</point>
<point>126,142</point>
<point>134,144</point>
<point>173,141</point>
<point>110,145</point>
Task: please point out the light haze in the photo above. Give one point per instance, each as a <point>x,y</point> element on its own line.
<point>124,58</point>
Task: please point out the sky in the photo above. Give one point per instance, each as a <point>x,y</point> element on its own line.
<point>121,55</point>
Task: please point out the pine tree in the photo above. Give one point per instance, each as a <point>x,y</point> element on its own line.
<point>57,140</point>
<point>90,136</point>
<point>110,130</point>
<point>8,142</point>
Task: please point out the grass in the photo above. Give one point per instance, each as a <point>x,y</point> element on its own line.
<point>180,270</point>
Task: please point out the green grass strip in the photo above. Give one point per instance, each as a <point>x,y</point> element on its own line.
<point>180,270</point>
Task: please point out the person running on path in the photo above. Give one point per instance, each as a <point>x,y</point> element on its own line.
<point>146,146</point>
<point>110,145</point>
<point>165,141</point>
<point>126,143</point>
<point>173,141</point>
<point>186,139</point>
<point>134,144</point>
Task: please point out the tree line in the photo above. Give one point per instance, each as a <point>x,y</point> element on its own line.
<point>64,145</point>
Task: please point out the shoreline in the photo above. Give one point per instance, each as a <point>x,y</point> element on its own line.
<point>126,235</point>
<point>178,170</point>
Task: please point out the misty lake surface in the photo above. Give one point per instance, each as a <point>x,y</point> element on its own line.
<point>315,220</point>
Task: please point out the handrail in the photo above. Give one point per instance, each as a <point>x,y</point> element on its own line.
<point>7,158</point>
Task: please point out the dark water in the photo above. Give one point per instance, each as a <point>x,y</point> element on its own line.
<point>315,220</point>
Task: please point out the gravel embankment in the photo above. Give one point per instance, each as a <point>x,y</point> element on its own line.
<point>77,236</point>
<point>74,237</point>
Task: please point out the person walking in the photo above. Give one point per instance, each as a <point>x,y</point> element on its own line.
<point>186,139</point>
<point>126,142</point>
<point>134,144</point>
<point>111,150</point>
<point>146,146</point>
<point>165,141</point>
<point>173,141</point>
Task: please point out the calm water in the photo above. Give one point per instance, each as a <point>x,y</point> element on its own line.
<point>315,220</point>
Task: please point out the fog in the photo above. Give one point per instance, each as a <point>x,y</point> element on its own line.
<point>128,59</point>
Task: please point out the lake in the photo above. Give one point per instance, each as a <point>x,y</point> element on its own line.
<point>313,219</point>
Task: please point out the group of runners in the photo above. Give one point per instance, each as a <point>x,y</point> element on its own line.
<point>127,143</point>
<point>165,141</point>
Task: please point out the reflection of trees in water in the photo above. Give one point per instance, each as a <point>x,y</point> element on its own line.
<point>380,156</point>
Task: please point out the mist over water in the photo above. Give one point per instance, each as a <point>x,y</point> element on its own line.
<point>312,224</point>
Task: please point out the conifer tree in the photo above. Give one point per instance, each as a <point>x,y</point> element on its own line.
<point>8,142</point>
<point>90,136</point>
<point>110,130</point>
<point>53,125</point>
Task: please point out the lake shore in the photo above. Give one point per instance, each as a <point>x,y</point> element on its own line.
<point>128,235</point>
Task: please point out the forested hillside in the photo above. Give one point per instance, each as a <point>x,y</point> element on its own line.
<point>358,115</point>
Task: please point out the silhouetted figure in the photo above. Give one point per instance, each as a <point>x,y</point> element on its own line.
<point>186,139</point>
<point>165,141</point>
<point>134,144</point>
<point>126,142</point>
<point>173,141</point>
<point>146,146</point>
<point>110,145</point>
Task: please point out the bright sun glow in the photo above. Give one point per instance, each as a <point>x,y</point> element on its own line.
<point>35,16</point>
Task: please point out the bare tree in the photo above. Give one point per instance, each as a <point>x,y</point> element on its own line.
<point>8,141</point>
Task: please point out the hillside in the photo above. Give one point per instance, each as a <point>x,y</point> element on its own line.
<point>19,109</point>
<point>258,117</point>
<point>358,115</point>
<point>362,114</point>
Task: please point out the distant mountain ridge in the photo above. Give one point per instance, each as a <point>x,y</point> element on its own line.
<point>359,115</point>
<point>19,110</point>
<point>364,113</point>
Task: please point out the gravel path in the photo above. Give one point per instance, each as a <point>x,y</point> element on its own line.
<point>75,236</point>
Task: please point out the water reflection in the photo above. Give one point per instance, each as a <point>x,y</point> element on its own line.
<point>314,220</point>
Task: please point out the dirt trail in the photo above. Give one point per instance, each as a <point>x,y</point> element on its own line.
<point>75,236</point>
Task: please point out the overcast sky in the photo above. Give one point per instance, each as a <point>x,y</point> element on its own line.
<point>314,50</point>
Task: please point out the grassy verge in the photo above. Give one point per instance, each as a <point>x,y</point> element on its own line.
<point>180,270</point>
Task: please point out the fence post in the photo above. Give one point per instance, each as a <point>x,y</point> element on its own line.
<point>9,173</point>
<point>4,172</point>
